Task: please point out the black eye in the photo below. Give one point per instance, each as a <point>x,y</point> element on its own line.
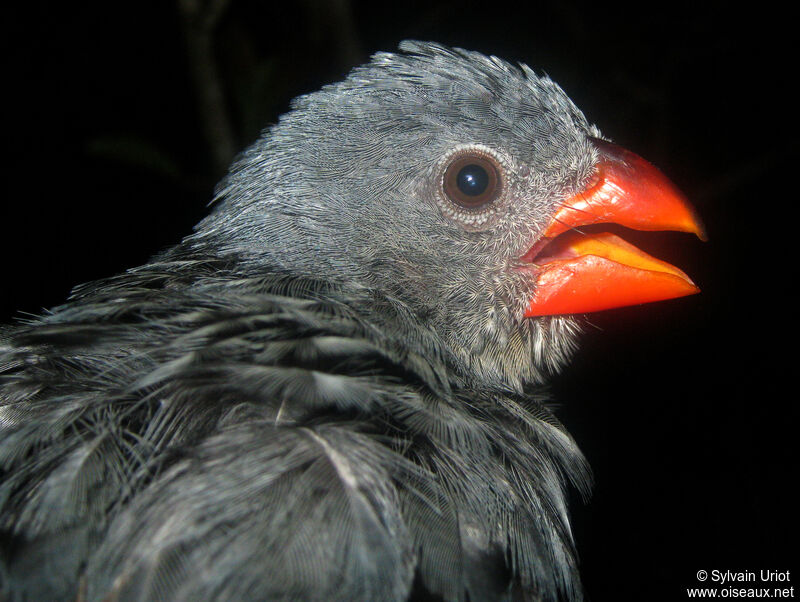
<point>471,181</point>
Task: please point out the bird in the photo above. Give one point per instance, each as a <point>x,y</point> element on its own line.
<point>334,387</point>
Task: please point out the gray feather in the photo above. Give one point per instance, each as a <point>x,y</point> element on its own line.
<point>324,392</point>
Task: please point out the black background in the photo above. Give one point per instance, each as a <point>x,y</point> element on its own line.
<point>685,408</point>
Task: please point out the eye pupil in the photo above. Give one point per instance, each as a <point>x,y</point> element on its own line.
<point>472,180</point>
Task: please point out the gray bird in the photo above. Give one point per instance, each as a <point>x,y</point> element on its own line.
<point>331,389</point>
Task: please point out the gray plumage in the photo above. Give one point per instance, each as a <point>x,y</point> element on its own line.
<point>327,391</point>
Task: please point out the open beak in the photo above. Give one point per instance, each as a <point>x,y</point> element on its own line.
<point>579,272</point>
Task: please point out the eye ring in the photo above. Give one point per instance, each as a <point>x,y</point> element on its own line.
<point>480,210</point>
<point>472,181</point>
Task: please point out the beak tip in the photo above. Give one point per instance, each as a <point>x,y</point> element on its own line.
<point>695,225</point>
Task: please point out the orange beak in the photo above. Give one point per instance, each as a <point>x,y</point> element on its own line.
<point>580,272</point>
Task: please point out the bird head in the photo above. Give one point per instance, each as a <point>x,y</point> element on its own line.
<point>457,184</point>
